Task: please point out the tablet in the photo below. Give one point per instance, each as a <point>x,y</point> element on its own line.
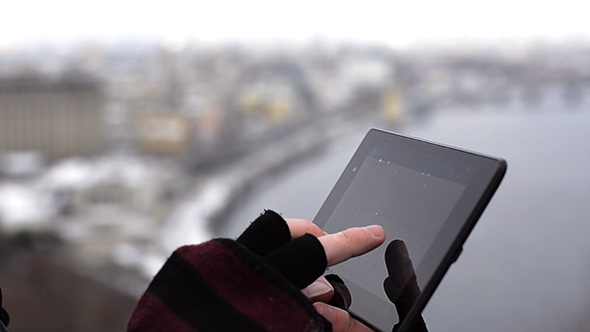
<point>428,198</point>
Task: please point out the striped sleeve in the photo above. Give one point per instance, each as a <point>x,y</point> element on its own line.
<point>221,286</point>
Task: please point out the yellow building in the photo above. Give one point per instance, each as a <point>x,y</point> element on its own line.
<point>167,134</point>
<point>392,106</point>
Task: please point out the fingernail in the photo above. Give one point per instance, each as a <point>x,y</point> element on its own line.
<point>325,311</point>
<point>375,230</point>
<point>318,288</point>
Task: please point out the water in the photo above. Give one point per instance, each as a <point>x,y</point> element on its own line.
<point>526,265</point>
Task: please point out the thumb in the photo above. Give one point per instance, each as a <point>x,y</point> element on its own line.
<point>320,290</point>
<point>340,319</point>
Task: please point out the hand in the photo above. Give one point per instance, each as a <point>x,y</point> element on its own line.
<point>401,284</point>
<point>339,247</point>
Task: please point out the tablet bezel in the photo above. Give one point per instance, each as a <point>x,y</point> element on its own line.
<point>487,174</point>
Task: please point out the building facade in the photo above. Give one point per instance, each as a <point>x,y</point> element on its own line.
<point>54,118</point>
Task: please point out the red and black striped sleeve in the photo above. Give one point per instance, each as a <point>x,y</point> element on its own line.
<point>221,285</point>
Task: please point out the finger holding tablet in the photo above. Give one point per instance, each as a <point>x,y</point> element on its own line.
<point>340,319</point>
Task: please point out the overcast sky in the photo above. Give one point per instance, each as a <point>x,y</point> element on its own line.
<point>396,23</point>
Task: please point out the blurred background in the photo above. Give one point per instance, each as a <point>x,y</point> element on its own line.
<point>130,128</point>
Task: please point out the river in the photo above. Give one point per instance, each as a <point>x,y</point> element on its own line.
<point>526,265</point>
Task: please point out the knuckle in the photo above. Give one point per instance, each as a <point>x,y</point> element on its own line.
<point>345,236</point>
<point>348,236</point>
<point>347,240</point>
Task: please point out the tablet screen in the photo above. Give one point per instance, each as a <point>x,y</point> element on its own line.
<point>411,191</point>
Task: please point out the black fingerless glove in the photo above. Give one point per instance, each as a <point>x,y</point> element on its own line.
<point>301,260</point>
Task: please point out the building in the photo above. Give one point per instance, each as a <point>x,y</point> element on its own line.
<point>56,119</point>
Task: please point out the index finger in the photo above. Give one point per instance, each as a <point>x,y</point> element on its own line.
<point>299,227</point>
<point>351,242</point>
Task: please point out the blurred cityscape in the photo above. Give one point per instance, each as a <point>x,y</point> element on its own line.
<point>113,155</point>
